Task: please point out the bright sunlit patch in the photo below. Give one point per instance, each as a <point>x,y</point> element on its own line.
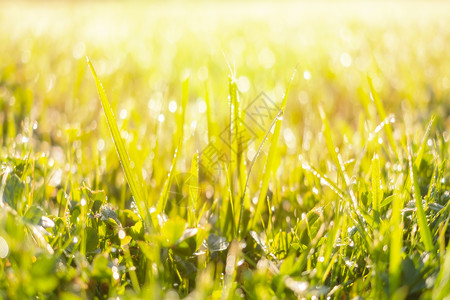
<point>79,50</point>
<point>289,137</point>
<point>307,75</point>
<point>100,145</point>
<point>123,113</point>
<point>161,118</point>
<point>346,59</point>
<point>202,73</point>
<point>243,84</point>
<point>4,249</point>
<point>121,234</point>
<point>266,58</point>
<point>201,106</point>
<point>173,106</point>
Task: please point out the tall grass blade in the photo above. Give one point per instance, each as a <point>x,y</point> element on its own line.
<point>270,166</point>
<point>130,174</point>
<point>421,151</point>
<point>193,191</point>
<point>377,192</point>
<point>179,138</point>
<point>395,253</point>
<point>442,286</point>
<point>421,217</point>
<point>382,113</point>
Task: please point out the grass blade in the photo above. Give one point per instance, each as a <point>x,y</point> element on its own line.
<point>395,256</point>
<point>382,113</point>
<point>130,174</point>
<point>421,217</point>
<point>178,136</point>
<point>270,166</point>
<point>377,192</point>
<point>193,191</point>
<point>419,155</point>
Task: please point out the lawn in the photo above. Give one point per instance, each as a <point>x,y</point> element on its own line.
<point>224,150</point>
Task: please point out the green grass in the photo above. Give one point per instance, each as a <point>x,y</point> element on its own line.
<point>341,190</point>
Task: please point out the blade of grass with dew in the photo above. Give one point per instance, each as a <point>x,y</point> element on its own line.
<point>236,170</point>
<point>193,191</point>
<point>421,151</point>
<point>337,160</point>
<point>441,288</point>
<point>135,186</point>
<point>330,144</point>
<point>211,128</point>
<point>327,248</point>
<point>425,232</point>
<point>382,113</point>
<point>395,256</point>
<point>377,192</point>
<point>161,205</point>
<point>269,167</point>
<point>256,156</point>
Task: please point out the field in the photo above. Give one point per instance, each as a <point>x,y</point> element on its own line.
<point>224,150</point>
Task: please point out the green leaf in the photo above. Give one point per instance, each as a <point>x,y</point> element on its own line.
<point>14,191</point>
<point>100,267</point>
<point>172,231</point>
<point>216,243</point>
<point>33,214</point>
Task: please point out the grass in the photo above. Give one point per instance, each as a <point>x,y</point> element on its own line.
<point>337,188</point>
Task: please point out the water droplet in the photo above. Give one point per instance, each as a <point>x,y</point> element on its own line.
<point>173,106</point>
<point>4,249</point>
<point>123,113</point>
<point>307,75</point>
<point>116,275</point>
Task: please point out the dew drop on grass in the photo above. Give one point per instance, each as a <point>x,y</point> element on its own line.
<point>315,191</point>
<point>201,106</point>
<point>4,249</point>
<point>100,145</point>
<point>173,106</point>
<point>116,275</point>
<point>307,75</point>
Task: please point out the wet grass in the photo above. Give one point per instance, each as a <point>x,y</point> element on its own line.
<point>184,158</point>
